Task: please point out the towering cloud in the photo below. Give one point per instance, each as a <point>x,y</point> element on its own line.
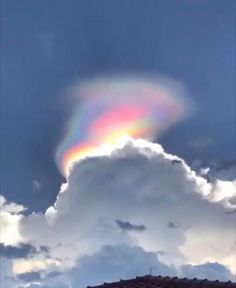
<point>140,203</point>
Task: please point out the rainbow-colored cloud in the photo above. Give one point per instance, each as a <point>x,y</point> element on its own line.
<point>110,108</point>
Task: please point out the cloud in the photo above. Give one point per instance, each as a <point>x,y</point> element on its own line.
<point>114,106</point>
<point>223,174</point>
<point>29,277</point>
<point>6,273</point>
<point>52,274</point>
<point>112,263</point>
<point>12,208</point>
<point>10,215</point>
<point>210,271</point>
<point>201,143</point>
<point>225,171</point>
<point>36,185</point>
<point>141,183</point>
<point>231,212</point>
<point>40,279</point>
<point>173,225</point>
<point>36,286</point>
<point>58,285</point>
<point>21,251</point>
<point>127,226</point>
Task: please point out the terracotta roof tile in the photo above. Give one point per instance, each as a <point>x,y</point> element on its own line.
<point>166,282</point>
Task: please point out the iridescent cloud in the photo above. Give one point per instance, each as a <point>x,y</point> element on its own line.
<point>109,108</point>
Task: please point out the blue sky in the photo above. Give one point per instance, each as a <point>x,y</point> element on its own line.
<point>48,45</point>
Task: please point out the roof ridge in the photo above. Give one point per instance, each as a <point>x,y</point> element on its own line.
<point>166,280</point>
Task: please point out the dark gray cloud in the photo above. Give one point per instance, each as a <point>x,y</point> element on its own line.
<point>173,225</point>
<point>40,279</point>
<point>21,251</point>
<point>34,276</point>
<point>176,161</point>
<point>52,274</point>
<point>126,225</point>
<point>44,249</point>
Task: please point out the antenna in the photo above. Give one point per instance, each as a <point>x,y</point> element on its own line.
<point>150,271</point>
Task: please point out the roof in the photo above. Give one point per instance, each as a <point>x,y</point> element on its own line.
<point>166,282</point>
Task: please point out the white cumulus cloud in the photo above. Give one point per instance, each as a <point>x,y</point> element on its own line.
<point>137,183</point>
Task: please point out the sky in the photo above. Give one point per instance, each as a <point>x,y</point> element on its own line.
<point>71,69</point>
